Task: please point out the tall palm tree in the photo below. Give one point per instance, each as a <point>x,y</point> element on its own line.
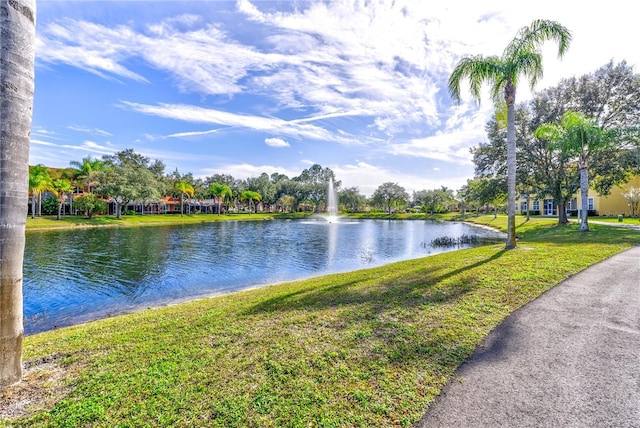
<point>61,188</point>
<point>185,189</point>
<point>39,181</point>
<point>578,136</point>
<point>17,25</point>
<point>220,191</point>
<point>251,196</point>
<point>521,57</point>
<point>85,168</point>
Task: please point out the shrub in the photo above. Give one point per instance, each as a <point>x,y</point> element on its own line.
<point>50,206</point>
<point>90,204</point>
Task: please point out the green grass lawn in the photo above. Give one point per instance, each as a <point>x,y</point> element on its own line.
<point>366,348</point>
<point>50,222</point>
<point>379,215</point>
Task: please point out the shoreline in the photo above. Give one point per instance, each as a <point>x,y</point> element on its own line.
<point>44,322</point>
<point>79,222</point>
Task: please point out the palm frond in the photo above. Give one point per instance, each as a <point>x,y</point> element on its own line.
<point>478,69</point>
<point>530,38</point>
<point>529,64</point>
<point>549,132</point>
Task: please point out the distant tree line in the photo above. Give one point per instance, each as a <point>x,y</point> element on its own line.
<point>128,177</point>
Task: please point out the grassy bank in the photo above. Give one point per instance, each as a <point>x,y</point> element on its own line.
<point>50,222</point>
<point>365,348</point>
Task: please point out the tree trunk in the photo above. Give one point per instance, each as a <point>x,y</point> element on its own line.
<point>33,205</point>
<point>181,205</point>
<point>584,196</point>
<point>510,93</point>
<point>17,24</point>
<point>59,210</point>
<point>562,212</point>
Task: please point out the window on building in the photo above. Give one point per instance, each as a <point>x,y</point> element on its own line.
<point>590,204</point>
<point>523,206</point>
<point>536,205</point>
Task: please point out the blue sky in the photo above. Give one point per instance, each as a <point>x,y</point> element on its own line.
<point>245,87</point>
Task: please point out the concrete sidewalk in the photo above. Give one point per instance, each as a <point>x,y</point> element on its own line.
<point>570,358</point>
<point>635,226</point>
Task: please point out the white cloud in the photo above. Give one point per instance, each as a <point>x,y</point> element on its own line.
<point>276,142</point>
<point>48,153</point>
<point>38,131</point>
<point>196,114</point>
<point>194,133</point>
<point>73,42</point>
<point>250,10</point>
<point>91,131</point>
<point>367,177</point>
<point>89,146</point>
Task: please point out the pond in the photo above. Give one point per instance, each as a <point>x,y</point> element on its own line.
<point>74,276</point>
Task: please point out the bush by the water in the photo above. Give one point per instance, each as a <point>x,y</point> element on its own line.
<point>448,241</point>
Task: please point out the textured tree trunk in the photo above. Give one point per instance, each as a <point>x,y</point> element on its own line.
<point>17,24</point>
<point>510,93</point>
<point>562,212</point>
<point>584,195</point>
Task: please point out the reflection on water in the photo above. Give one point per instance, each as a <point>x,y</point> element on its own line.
<point>75,276</point>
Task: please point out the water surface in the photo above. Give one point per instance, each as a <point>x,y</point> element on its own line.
<point>73,276</point>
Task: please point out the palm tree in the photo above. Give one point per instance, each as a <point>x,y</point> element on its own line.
<point>61,188</point>
<point>577,136</point>
<point>185,189</point>
<point>251,196</point>
<point>39,181</point>
<point>85,168</point>
<point>17,24</point>
<point>220,191</point>
<point>521,57</point>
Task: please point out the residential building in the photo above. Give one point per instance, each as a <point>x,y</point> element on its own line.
<point>600,205</point>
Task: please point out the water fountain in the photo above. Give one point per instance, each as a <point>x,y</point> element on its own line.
<point>332,202</point>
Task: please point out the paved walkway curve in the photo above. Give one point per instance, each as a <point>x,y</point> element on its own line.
<point>570,358</point>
